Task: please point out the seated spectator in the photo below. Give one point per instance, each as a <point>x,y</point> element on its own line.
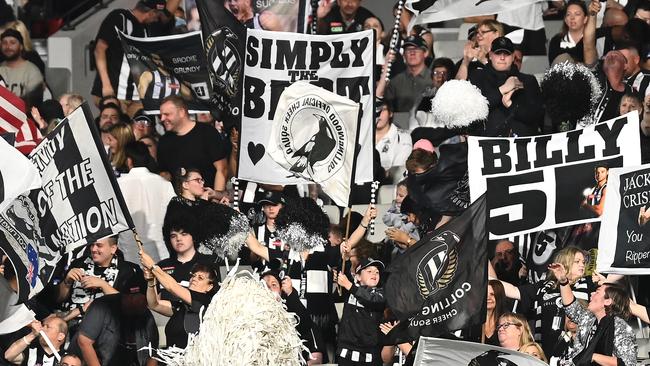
<point>535,350</point>
<point>71,360</point>
<point>119,135</point>
<point>475,52</point>
<point>392,143</point>
<point>184,316</point>
<point>151,141</point>
<point>513,331</point>
<point>23,352</point>
<point>496,306</point>
<point>515,100</point>
<point>285,292</point>
<point>359,327</point>
<point>179,233</point>
<point>569,40</point>
<point>405,90</point>
<point>604,337</point>
<point>508,263</point>
<point>631,102</point>
<point>101,272</point>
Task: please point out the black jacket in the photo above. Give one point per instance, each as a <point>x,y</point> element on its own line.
<point>362,313</point>
<point>526,114</point>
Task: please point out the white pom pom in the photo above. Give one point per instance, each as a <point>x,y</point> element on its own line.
<point>458,103</point>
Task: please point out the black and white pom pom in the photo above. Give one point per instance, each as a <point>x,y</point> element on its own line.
<point>394,37</point>
<point>373,199</point>
<point>302,224</point>
<point>314,16</point>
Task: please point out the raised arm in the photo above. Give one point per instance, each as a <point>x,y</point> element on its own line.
<point>254,245</point>
<point>511,291</point>
<point>589,35</point>
<point>165,280</point>
<point>565,289</point>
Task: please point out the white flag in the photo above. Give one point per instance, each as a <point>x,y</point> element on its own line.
<point>12,317</point>
<point>17,174</point>
<point>313,137</point>
<point>441,10</point>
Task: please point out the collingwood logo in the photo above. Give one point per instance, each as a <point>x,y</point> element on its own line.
<point>313,138</point>
<point>225,60</point>
<point>438,267</point>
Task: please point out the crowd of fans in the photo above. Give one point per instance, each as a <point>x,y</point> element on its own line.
<point>101,306</point>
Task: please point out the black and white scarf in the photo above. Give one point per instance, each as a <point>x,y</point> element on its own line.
<point>81,295</point>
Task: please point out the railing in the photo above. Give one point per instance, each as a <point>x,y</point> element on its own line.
<point>81,11</point>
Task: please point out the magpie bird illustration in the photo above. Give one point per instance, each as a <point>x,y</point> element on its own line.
<point>316,149</point>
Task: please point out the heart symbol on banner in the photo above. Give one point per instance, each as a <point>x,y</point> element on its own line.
<point>255,152</point>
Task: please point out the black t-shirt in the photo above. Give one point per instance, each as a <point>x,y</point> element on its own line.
<point>542,303</point>
<point>198,149</point>
<point>181,272</point>
<point>185,319</point>
<point>333,22</point>
<point>102,325</point>
<point>126,22</point>
<point>645,148</point>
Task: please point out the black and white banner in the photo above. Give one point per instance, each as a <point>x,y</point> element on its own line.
<point>21,239</point>
<point>436,351</point>
<point>169,65</point>
<point>80,201</point>
<point>430,11</point>
<point>17,174</point>
<point>542,182</point>
<point>314,136</point>
<point>439,283</point>
<point>342,64</point>
<point>624,245</point>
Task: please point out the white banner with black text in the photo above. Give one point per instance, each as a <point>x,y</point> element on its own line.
<point>342,64</point>
<point>542,182</point>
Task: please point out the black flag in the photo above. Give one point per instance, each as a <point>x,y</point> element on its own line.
<point>223,42</point>
<point>440,283</point>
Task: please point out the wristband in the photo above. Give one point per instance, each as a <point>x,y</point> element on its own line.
<point>154,267</point>
<point>566,282</point>
<point>24,340</point>
<point>363,226</point>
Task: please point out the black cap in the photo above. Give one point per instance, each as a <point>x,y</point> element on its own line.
<point>154,4</point>
<point>502,44</point>
<point>416,41</point>
<point>12,33</point>
<point>367,262</point>
<point>271,197</point>
<point>471,32</point>
<point>141,117</point>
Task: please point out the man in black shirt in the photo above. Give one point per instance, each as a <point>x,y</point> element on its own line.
<point>346,16</point>
<point>188,144</point>
<point>113,72</point>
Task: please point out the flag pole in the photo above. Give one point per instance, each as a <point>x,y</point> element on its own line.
<point>345,238</point>
<point>137,239</point>
<point>394,37</point>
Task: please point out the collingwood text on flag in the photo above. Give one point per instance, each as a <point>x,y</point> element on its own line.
<point>439,285</point>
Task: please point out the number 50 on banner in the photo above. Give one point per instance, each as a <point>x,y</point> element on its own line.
<point>541,182</point>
